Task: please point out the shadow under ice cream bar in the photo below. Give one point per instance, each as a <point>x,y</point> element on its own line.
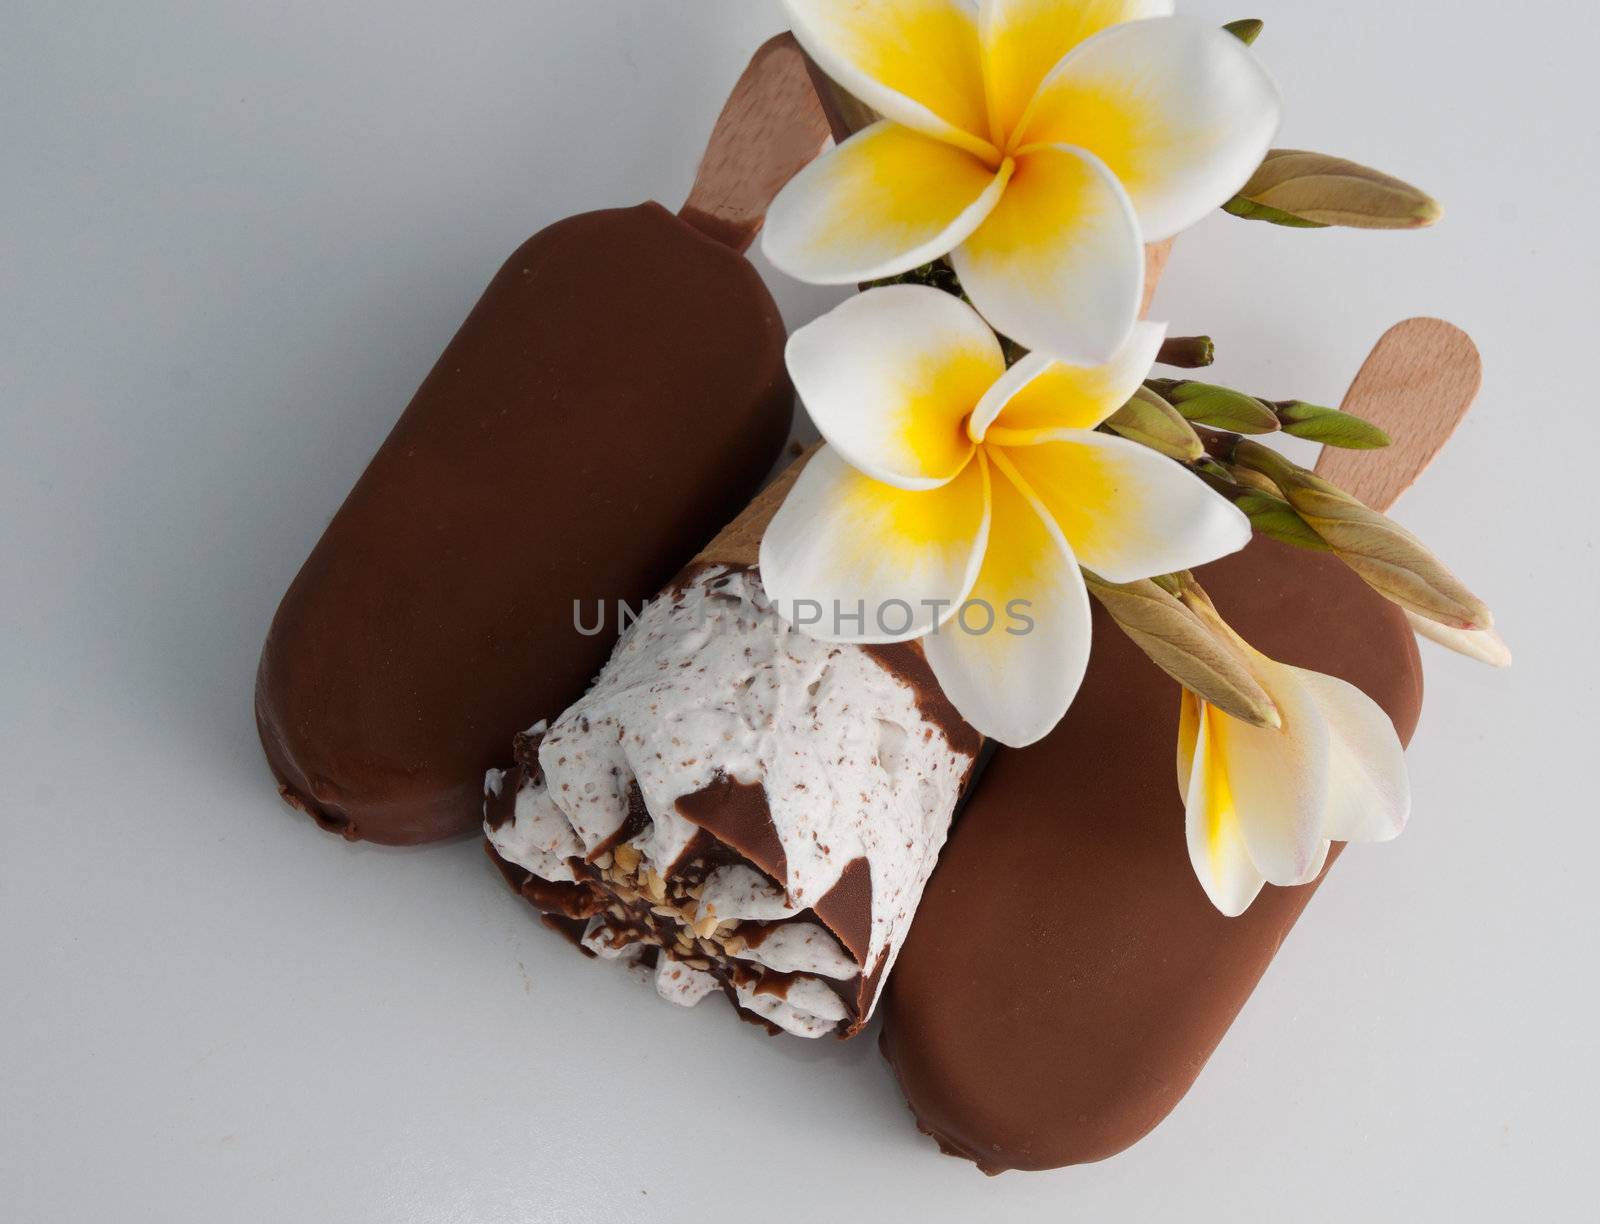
<point>736,805</point>
<point>549,457</point>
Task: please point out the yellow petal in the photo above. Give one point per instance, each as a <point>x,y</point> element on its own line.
<point>890,377</point>
<point>913,61</point>
<point>1217,848</point>
<point>1058,265</point>
<point>1013,657</point>
<point>1128,512</point>
<point>1041,393</point>
<point>1023,39</point>
<point>1179,109</point>
<point>1188,735</point>
<point>850,559</point>
<point>882,203</point>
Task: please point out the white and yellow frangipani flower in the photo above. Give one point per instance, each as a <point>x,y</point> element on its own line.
<point>1263,805</point>
<point>956,499</point>
<point>1039,143</point>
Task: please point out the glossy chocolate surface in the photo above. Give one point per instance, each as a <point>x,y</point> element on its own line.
<point>614,398</point>
<point>1066,979</point>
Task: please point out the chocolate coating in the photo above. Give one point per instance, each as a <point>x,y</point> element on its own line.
<point>614,398</point>
<point>1066,979</point>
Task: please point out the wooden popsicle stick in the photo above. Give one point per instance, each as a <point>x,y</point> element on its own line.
<point>1155,263</point>
<point>770,128</point>
<point>1416,385</point>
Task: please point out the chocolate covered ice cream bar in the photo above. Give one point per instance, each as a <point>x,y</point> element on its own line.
<point>1077,1030</point>
<point>1090,1002</point>
<point>737,805</point>
<point>614,397</point>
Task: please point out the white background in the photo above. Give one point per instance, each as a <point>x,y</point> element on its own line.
<point>233,238</point>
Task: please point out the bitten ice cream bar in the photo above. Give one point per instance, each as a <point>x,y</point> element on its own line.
<point>735,805</point>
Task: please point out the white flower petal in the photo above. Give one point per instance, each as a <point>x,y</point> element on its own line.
<point>1484,645</point>
<point>1217,848</point>
<point>1012,660</point>
<point>1128,512</point>
<point>916,62</point>
<point>843,544</point>
<point>1178,108</point>
<point>1320,860</point>
<point>1040,392</point>
<point>1369,794</point>
<point>1024,39</point>
<point>885,201</point>
<point>1279,779</point>
<point>1058,265</point>
<point>890,377</point>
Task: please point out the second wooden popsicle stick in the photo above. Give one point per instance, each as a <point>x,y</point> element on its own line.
<point>770,128</point>
<point>1417,384</point>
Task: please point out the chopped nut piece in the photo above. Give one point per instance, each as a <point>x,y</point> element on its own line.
<point>627,857</point>
<point>657,885</point>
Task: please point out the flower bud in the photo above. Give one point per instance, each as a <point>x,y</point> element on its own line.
<point>1151,421</point>
<point>1217,475</point>
<point>1311,190</point>
<point>1272,516</point>
<point>1246,29</point>
<point>1220,407</point>
<point>1182,644</point>
<point>1250,479</point>
<point>1388,558</point>
<point>1186,352</point>
<point>1330,426</point>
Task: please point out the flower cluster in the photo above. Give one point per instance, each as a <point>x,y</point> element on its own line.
<point>1039,146</point>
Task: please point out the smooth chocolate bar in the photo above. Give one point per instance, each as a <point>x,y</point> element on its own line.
<point>1090,999</point>
<point>615,396</point>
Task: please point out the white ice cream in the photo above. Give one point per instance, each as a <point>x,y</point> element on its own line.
<point>711,681</point>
